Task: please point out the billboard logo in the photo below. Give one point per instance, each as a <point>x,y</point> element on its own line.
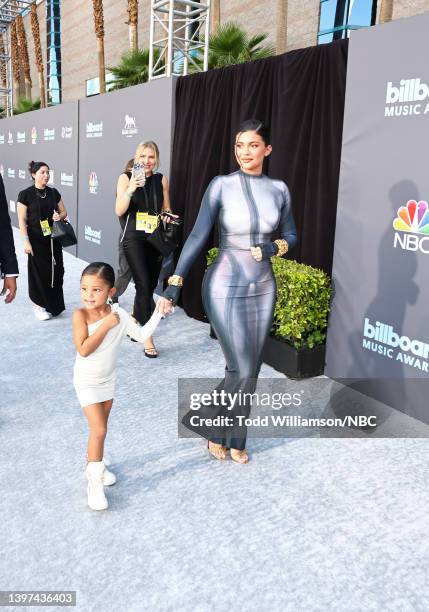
<point>1,138</point>
<point>66,132</point>
<point>382,339</point>
<point>49,134</point>
<point>10,138</point>
<point>94,130</point>
<point>12,205</point>
<point>11,173</point>
<point>413,223</point>
<point>33,135</point>
<point>92,235</point>
<point>130,128</point>
<point>20,137</point>
<point>407,98</point>
<point>93,183</point>
<point>21,174</point>
<point>66,179</point>
<point>51,177</point>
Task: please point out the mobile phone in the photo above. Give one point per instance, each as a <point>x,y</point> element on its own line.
<point>138,172</point>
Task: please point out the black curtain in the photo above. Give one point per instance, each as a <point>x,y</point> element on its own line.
<point>300,95</point>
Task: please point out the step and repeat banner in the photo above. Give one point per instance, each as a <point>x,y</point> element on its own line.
<point>49,135</point>
<point>379,325</point>
<point>110,128</point>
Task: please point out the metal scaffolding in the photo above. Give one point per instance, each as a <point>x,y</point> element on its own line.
<point>179,36</point>
<point>9,10</point>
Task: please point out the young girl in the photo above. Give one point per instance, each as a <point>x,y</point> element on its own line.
<point>97,333</point>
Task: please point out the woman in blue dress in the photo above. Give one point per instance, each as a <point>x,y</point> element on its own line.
<point>239,289</point>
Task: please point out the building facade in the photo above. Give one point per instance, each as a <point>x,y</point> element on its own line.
<point>69,43</point>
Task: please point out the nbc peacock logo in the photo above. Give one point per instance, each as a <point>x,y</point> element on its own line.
<point>412,227</point>
<point>93,183</point>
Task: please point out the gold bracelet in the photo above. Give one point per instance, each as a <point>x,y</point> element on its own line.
<point>175,280</point>
<point>283,247</point>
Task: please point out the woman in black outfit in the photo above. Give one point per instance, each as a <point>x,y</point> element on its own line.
<point>142,191</point>
<point>37,207</point>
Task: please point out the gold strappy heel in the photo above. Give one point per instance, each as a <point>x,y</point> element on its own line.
<point>239,456</point>
<point>219,452</point>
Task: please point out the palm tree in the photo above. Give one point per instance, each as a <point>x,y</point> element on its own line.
<point>133,19</point>
<point>3,79</point>
<point>39,55</point>
<point>23,105</point>
<point>132,69</point>
<point>281,27</point>
<point>386,11</point>
<point>99,33</point>
<point>215,18</point>
<point>22,38</point>
<point>16,65</point>
<point>231,45</point>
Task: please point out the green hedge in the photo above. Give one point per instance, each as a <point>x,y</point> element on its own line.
<point>303,302</point>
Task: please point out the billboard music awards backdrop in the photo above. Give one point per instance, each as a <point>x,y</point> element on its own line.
<point>49,135</point>
<point>110,128</point>
<point>379,326</point>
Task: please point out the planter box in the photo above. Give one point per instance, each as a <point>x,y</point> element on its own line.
<point>295,363</point>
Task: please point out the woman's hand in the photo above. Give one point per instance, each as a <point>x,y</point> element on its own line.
<point>168,218</point>
<point>28,249</point>
<point>56,216</point>
<point>112,320</point>
<point>256,253</point>
<point>163,306</point>
<point>135,183</point>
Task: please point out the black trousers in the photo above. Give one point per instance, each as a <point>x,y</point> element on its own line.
<point>45,275</point>
<point>145,263</point>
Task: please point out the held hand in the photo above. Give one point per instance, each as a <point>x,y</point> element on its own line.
<point>56,216</point>
<point>164,306</point>
<point>256,253</point>
<point>28,249</point>
<point>9,289</point>
<point>112,320</point>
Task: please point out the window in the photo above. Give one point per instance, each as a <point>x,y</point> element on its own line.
<point>93,85</point>
<point>53,48</point>
<point>339,17</point>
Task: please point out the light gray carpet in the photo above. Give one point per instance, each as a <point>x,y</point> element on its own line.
<point>309,524</point>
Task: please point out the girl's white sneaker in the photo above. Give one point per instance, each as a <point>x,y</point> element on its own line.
<point>96,497</point>
<point>41,314</point>
<point>109,477</point>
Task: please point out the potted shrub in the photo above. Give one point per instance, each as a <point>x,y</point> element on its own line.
<point>296,345</point>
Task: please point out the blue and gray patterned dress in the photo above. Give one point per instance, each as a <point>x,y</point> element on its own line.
<point>238,292</point>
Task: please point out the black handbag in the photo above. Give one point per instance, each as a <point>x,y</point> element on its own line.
<point>165,238</point>
<point>63,232</point>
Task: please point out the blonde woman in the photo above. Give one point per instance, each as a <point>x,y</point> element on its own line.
<point>142,192</point>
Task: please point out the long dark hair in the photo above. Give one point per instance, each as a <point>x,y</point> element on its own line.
<point>255,125</point>
<point>34,166</point>
<point>102,270</point>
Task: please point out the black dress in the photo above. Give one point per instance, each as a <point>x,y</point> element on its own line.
<point>144,260</point>
<point>45,266</point>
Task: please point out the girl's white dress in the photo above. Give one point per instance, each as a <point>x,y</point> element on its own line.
<point>95,375</point>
